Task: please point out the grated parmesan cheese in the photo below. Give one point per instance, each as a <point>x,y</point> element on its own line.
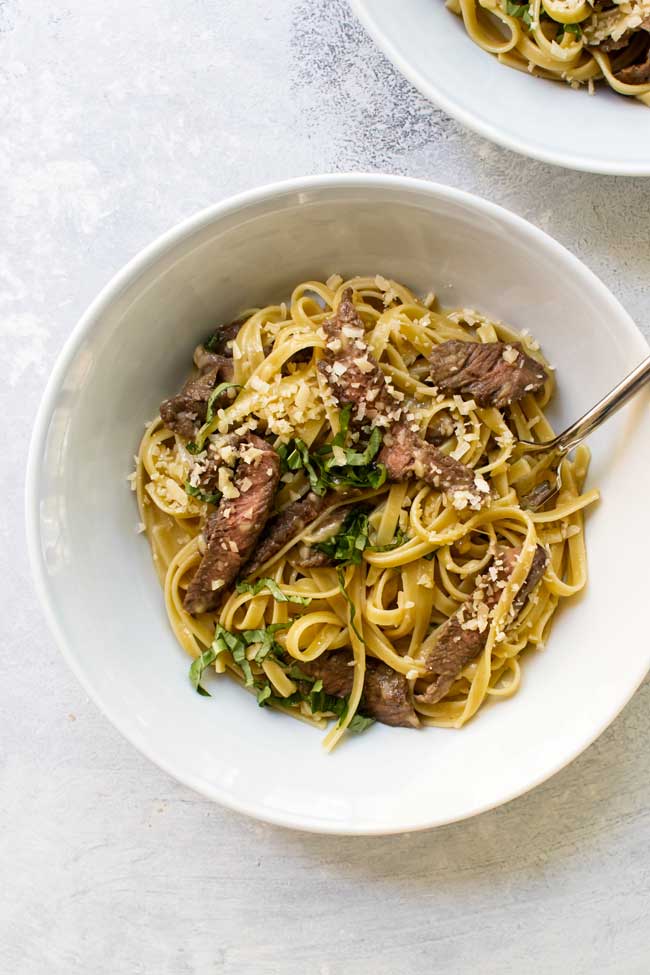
<point>226,485</point>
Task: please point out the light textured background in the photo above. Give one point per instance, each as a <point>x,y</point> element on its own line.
<point>118,119</point>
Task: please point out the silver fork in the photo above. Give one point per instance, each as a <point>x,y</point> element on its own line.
<point>560,446</point>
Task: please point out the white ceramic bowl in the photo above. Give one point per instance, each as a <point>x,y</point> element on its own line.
<point>604,133</point>
<point>94,573</point>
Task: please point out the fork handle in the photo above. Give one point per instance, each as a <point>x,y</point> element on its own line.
<point>607,406</point>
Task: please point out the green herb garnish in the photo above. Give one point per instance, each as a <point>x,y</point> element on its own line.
<point>347,546</point>
<point>254,588</point>
<point>322,468</point>
<point>237,645</point>
<point>196,446</point>
<point>574,29</point>
<point>399,538</point>
<point>319,702</point>
<point>340,574</point>
<point>359,723</point>
<point>265,638</point>
<point>200,495</point>
<point>197,667</point>
<point>520,10</point>
<point>214,396</point>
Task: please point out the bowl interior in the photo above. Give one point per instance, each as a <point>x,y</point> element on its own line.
<point>546,120</point>
<point>95,572</point>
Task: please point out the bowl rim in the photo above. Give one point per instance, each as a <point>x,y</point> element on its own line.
<point>140,262</point>
<point>474,122</point>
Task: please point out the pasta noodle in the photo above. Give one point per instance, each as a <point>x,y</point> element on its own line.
<point>577,41</point>
<point>422,554</point>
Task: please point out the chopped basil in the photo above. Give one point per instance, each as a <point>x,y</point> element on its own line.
<point>353,612</point>
<point>359,723</point>
<point>319,702</point>
<point>214,396</point>
<point>196,446</point>
<point>207,496</point>
<point>399,538</point>
<point>323,469</point>
<point>200,664</point>
<point>265,638</point>
<point>520,10</point>
<point>347,546</point>
<point>295,673</point>
<point>237,644</point>
<point>574,29</point>
<point>266,583</point>
<point>239,657</point>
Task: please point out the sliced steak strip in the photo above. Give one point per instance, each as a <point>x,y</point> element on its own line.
<point>354,376</point>
<point>386,694</point>
<point>491,373</point>
<point>204,360</point>
<point>464,635</point>
<point>286,525</point>
<point>609,45</point>
<point>233,529</point>
<point>636,74</point>
<point>185,412</point>
<point>406,455</point>
<point>221,339</point>
<point>308,557</point>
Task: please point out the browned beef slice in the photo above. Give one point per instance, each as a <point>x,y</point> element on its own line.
<point>203,360</point>
<point>636,74</point>
<point>334,669</point>
<point>457,645</point>
<point>386,694</point>
<point>404,452</point>
<point>609,45</point>
<point>286,525</point>
<point>363,386</point>
<point>233,529</point>
<point>308,557</point>
<point>535,573</point>
<point>222,337</point>
<point>185,412</point>
<point>405,455</point>
<point>480,371</point>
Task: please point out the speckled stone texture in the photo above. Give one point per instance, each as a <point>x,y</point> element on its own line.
<point>118,119</point>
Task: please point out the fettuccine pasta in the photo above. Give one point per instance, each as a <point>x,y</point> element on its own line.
<point>405,556</point>
<point>576,41</point>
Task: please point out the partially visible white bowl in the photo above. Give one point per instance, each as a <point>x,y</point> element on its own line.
<point>94,573</point>
<point>604,133</point>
